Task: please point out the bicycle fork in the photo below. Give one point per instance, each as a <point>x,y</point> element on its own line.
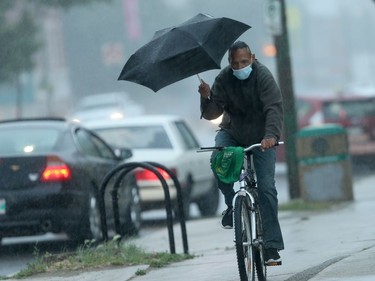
<point>250,207</point>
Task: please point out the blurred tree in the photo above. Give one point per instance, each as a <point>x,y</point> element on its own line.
<point>66,3</point>
<point>19,37</point>
<point>18,34</point>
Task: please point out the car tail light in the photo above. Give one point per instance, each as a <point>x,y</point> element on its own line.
<point>56,170</point>
<point>147,175</point>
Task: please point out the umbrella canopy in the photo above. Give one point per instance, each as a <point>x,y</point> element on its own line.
<point>178,52</point>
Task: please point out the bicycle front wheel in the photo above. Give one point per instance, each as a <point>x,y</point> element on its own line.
<point>242,232</point>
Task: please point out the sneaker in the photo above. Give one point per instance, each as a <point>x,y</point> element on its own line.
<point>272,257</point>
<point>227,220</point>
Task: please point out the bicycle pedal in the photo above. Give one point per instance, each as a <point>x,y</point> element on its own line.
<point>273,263</point>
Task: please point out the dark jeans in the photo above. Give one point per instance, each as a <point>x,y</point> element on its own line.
<point>264,165</point>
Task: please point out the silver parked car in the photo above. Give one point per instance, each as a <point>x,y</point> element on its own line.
<point>169,141</point>
<point>114,105</point>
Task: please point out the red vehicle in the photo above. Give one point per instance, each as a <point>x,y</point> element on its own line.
<point>309,111</point>
<point>355,113</point>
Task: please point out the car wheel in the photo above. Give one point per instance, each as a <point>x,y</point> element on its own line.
<point>186,197</point>
<point>132,215</point>
<point>95,225</point>
<point>90,229</point>
<point>209,203</point>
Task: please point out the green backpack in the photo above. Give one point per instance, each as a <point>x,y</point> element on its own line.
<point>227,163</point>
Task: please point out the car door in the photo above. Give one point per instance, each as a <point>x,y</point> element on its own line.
<point>197,163</point>
<point>100,157</point>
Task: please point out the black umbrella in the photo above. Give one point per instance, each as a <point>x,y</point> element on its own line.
<point>178,52</point>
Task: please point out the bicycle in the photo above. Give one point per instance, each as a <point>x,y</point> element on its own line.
<point>247,222</point>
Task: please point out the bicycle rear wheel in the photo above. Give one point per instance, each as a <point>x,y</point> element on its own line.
<point>260,264</point>
<point>242,232</point>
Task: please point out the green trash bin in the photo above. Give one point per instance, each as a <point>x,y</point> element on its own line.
<point>324,163</point>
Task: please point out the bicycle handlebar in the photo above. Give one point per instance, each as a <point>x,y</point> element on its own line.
<point>251,147</point>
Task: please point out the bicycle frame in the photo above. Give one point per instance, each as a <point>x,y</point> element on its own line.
<point>247,181</point>
<point>247,223</point>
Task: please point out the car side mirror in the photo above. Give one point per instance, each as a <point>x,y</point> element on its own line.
<point>123,153</point>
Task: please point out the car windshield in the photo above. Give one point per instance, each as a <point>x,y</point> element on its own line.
<point>27,140</point>
<point>342,109</point>
<point>303,108</point>
<point>104,105</point>
<point>141,137</point>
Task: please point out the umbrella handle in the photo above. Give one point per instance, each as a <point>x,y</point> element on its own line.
<point>200,80</point>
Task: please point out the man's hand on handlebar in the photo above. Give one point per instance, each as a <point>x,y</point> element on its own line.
<point>268,143</point>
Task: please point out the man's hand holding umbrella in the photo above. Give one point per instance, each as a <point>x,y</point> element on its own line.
<point>204,89</point>
<point>205,92</point>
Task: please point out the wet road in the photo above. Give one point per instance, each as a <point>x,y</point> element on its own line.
<point>16,253</point>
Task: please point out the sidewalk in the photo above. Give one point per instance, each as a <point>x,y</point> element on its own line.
<point>358,265</point>
<point>334,245</point>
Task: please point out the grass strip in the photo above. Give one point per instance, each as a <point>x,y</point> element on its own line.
<point>89,256</point>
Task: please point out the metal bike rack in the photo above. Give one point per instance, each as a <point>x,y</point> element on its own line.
<point>123,170</point>
<point>180,203</point>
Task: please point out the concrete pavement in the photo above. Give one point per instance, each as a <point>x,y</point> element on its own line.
<point>332,245</point>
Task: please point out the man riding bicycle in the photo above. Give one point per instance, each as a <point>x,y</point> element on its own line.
<point>246,94</point>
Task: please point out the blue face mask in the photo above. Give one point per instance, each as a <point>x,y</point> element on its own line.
<point>243,73</point>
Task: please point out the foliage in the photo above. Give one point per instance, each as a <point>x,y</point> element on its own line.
<point>19,32</point>
<point>112,253</point>
<point>301,205</point>
<point>66,3</point>
<point>18,37</point>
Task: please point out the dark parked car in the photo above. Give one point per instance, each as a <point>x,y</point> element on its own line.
<point>50,171</point>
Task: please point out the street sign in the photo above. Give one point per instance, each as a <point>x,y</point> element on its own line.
<point>273,17</point>
<point>113,54</point>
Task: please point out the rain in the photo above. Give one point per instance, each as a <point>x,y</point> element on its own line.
<point>84,47</point>
<point>75,51</point>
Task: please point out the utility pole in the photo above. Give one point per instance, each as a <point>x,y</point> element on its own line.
<point>278,25</point>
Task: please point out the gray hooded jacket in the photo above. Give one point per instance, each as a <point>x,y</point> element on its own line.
<point>252,107</point>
